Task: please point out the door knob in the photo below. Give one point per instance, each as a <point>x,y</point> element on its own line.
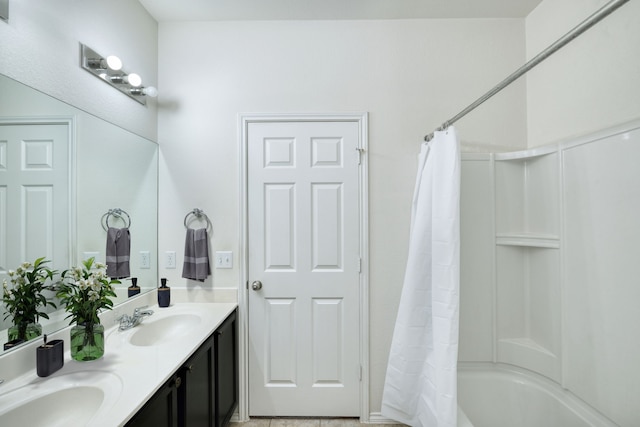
<point>257,285</point>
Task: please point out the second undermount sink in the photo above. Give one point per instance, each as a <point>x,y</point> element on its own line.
<point>152,332</point>
<point>67,400</point>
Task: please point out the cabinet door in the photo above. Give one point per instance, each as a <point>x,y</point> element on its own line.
<point>226,371</point>
<point>196,393</point>
<point>162,409</point>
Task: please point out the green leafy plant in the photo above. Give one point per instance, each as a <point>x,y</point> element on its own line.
<point>24,300</point>
<point>85,291</point>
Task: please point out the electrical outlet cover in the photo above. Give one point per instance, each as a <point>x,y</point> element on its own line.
<point>170,259</point>
<point>145,259</point>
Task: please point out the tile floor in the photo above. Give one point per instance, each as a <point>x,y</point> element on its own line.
<point>306,422</point>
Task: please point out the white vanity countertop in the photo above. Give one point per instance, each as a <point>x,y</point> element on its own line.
<point>136,372</point>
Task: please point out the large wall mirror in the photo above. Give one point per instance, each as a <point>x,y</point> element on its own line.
<point>98,167</point>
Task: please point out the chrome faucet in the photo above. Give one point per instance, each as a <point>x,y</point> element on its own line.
<point>128,322</point>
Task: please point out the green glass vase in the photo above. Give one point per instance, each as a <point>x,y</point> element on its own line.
<point>24,331</point>
<point>87,342</point>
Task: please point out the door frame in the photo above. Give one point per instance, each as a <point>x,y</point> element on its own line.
<point>70,122</point>
<point>244,120</point>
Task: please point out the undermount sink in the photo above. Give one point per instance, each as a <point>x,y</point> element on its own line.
<point>66,400</point>
<point>152,332</point>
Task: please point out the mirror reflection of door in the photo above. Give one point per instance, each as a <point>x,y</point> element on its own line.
<point>34,195</point>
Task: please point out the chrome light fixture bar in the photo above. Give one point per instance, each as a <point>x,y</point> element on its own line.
<point>109,70</point>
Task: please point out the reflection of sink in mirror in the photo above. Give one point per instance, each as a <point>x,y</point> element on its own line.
<point>59,401</point>
<point>152,332</point>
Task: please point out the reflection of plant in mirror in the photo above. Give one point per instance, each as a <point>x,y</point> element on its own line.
<point>86,290</point>
<point>23,301</point>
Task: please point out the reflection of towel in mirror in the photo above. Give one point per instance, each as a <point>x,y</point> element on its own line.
<point>196,255</point>
<point>118,252</point>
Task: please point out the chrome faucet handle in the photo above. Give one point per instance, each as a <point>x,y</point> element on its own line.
<point>125,322</point>
<point>122,317</point>
<point>140,311</point>
<point>137,309</point>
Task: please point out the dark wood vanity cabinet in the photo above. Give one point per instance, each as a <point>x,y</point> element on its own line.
<point>162,409</point>
<point>197,394</point>
<point>204,391</point>
<point>225,371</point>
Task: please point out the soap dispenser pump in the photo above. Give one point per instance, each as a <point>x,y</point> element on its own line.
<point>134,289</point>
<point>164,294</point>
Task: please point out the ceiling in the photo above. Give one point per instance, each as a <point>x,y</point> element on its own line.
<point>232,10</point>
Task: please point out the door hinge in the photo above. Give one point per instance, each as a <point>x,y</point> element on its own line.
<point>247,284</point>
<point>360,373</point>
<point>359,265</point>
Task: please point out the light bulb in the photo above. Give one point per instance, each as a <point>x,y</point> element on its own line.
<point>114,62</point>
<point>134,80</point>
<point>150,91</point>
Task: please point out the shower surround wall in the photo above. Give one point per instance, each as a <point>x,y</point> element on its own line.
<point>561,230</point>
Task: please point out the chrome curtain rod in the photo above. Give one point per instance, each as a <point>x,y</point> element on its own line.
<point>561,42</point>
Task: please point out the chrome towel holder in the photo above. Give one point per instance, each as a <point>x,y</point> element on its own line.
<point>117,213</point>
<point>199,214</point>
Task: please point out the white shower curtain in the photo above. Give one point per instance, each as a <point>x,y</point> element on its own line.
<point>421,383</point>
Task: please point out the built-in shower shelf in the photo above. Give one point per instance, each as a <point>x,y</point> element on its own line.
<point>529,240</point>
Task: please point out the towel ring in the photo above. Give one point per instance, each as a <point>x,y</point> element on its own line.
<point>199,214</point>
<point>118,213</point>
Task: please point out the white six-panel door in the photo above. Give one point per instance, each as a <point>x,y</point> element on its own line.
<point>304,268</point>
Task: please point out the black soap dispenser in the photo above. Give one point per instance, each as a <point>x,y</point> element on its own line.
<point>164,294</point>
<point>134,289</point>
<point>49,357</point>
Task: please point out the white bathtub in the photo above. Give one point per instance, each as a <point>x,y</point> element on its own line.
<point>505,396</point>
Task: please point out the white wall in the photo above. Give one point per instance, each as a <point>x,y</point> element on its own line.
<point>590,84</point>
<point>39,46</point>
<point>409,75</point>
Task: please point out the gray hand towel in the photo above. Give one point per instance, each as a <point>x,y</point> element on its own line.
<point>118,252</point>
<point>196,255</point>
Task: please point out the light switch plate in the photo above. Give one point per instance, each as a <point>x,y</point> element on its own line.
<point>224,259</point>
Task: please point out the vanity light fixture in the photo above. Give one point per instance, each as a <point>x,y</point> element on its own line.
<point>111,62</point>
<point>149,91</point>
<point>122,79</point>
<point>109,70</point>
